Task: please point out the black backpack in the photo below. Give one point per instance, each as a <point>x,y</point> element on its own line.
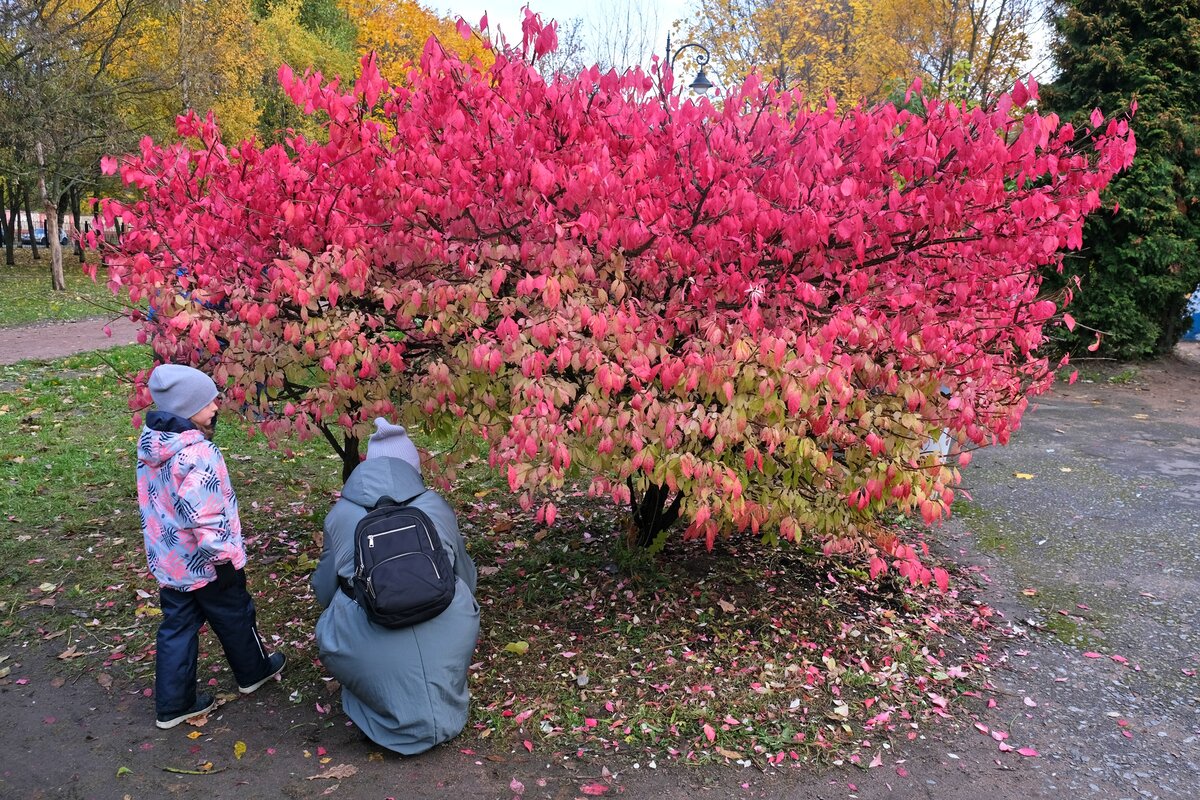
<point>402,573</point>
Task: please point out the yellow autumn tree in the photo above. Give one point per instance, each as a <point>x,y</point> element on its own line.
<point>396,31</point>
<point>866,49</point>
<point>964,49</point>
<point>798,43</point>
<point>192,54</point>
<point>285,37</point>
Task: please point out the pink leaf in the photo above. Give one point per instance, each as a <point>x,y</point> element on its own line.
<point>710,733</point>
<point>594,789</point>
<point>1028,752</point>
<point>528,745</point>
<point>1091,654</point>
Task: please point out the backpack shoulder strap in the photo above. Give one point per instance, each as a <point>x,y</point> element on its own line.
<point>388,500</point>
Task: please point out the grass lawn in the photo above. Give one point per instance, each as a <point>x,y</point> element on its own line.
<point>26,296</point>
<point>738,655</point>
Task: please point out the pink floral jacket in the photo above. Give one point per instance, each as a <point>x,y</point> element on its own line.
<point>189,511</point>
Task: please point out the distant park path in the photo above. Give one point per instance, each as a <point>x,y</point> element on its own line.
<point>46,340</point>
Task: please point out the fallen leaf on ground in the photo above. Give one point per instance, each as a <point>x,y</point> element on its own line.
<point>1025,476</point>
<point>204,769</point>
<point>239,750</point>
<point>594,789</point>
<point>335,773</point>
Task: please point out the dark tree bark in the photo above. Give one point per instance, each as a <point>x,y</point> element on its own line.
<point>10,218</point>
<point>29,221</point>
<point>75,200</point>
<point>652,514</point>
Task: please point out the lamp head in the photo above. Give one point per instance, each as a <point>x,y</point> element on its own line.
<point>701,84</point>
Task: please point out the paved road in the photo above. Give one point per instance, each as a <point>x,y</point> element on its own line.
<point>58,339</point>
<point>1090,524</point>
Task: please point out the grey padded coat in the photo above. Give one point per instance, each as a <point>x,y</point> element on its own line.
<point>405,689</point>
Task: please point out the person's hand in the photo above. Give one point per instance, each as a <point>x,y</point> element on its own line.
<point>227,576</point>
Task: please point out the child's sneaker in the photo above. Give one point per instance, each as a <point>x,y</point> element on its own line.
<point>275,665</point>
<point>204,703</point>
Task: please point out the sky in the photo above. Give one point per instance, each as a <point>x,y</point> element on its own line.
<point>507,14</point>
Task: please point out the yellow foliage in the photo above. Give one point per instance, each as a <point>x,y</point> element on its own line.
<point>397,30</point>
<point>283,40</point>
<point>191,54</point>
<point>864,49</point>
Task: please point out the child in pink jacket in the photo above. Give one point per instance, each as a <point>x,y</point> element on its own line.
<point>194,549</point>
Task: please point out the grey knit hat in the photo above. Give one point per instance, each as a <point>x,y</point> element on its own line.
<point>181,390</point>
<point>391,441</point>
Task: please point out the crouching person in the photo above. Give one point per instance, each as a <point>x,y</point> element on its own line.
<point>404,682</point>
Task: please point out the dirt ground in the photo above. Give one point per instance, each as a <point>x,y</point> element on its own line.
<point>1086,532</point>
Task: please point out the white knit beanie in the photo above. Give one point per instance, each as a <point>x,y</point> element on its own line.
<point>181,390</point>
<point>391,441</point>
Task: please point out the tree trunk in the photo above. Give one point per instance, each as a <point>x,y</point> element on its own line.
<point>29,222</point>
<point>651,513</point>
<point>58,281</point>
<point>346,447</point>
<point>11,215</point>
<point>349,454</point>
<point>76,200</point>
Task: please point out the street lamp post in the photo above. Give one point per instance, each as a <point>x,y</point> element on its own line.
<point>700,84</point>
